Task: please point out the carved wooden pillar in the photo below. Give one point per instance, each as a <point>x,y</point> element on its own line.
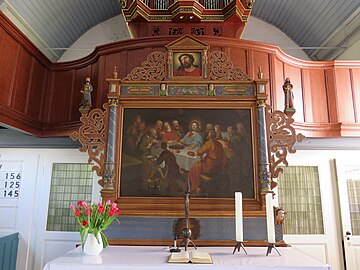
<point>263,148</point>
<point>108,191</point>
<point>264,164</point>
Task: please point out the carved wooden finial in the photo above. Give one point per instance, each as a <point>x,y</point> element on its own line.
<point>260,74</point>
<point>115,74</point>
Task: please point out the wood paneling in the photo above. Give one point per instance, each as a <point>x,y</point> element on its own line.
<point>21,83</point>
<point>276,82</point>
<point>315,100</point>
<point>36,94</point>
<point>260,59</point>
<point>43,98</point>
<point>344,96</point>
<point>331,95</point>
<point>355,79</point>
<point>60,100</point>
<point>8,60</point>
<point>294,73</point>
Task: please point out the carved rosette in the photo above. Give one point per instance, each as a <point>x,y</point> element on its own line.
<point>281,139</point>
<point>153,69</point>
<point>92,136</point>
<point>222,68</point>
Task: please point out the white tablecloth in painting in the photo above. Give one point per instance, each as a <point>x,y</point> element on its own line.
<point>155,258</point>
<point>184,160</point>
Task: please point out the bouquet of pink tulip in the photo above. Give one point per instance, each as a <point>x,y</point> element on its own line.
<point>94,218</point>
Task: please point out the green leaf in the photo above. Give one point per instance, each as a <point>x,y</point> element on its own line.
<point>84,232</point>
<point>104,239</point>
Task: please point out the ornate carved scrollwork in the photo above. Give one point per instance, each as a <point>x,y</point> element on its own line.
<point>281,139</point>
<point>153,69</point>
<point>92,135</point>
<point>221,68</point>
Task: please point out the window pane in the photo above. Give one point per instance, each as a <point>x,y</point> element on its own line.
<point>70,183</point>
<point>299,196</point>
<point>353,187</point>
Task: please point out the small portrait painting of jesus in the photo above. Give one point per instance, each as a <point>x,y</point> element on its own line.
<point>187,64</point>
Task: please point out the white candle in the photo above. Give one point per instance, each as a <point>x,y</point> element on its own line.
<point>270,218</point>
<point>238,217</point>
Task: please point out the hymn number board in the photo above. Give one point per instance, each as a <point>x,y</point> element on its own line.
<point>10,179</point>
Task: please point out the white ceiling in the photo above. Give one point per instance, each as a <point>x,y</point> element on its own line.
<point>323,28</point>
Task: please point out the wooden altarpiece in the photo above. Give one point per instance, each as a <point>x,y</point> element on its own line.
<point>187,83</point>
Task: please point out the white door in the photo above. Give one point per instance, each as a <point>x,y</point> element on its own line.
<point>348,172</point>
<point>325,246</point>
<point>48,245</point>
<point>18,177</point>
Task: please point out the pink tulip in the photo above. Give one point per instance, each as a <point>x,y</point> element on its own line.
<point>108,202</point>
<point>99,204</point>
<point>114,205</point>
<point>72,207</point>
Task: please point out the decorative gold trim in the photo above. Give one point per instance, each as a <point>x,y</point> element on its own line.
<point>92,135</point>
<point>281,137</point>
<point>260,103</point>
<point>153,69</point>
<point>222,68</point>
<point>113,102</point>
<point>139,89</point>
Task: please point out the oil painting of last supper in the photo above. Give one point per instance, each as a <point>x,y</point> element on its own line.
<point>167,151</point>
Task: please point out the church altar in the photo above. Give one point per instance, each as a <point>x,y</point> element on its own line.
<point>155,257</point>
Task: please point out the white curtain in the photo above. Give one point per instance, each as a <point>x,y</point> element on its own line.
<point>299,196</point>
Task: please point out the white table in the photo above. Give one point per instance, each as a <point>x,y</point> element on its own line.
<point>155,257</point>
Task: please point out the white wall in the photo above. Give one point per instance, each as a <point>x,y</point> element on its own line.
<point>27,214</point>
<point>116,29</point>
<point>258,30</point>
<point>352,53</point>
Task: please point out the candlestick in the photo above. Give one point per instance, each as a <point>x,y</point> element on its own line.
<point>270,218</point>
<point>238,217</point>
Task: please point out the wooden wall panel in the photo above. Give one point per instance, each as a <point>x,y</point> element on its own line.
<point>331,95</point>
<point>261,59</point>
<point>239,59</point>
<point>294,73</point>
<point>355,79</point>
<point>21,85</point>
<point>8,61</point>
<point>43,98</point>
<point>60,99</point>
<point>345,102</point>
<point>102,84</point>
<point>315,100</point>
<point>276,83</point>
<point>37,93</point>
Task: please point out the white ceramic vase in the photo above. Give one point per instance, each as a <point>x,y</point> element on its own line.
<point>91,246</point>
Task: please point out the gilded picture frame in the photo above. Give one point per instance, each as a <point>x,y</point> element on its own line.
<point>141,188</point>
<point>187,64</point>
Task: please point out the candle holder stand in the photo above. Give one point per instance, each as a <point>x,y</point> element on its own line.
<point>271,246</point>
<point>238,246</point>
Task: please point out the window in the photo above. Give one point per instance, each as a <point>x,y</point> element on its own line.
<point>353,187</point>
<point>299,196</point>
<point>69,184</point>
